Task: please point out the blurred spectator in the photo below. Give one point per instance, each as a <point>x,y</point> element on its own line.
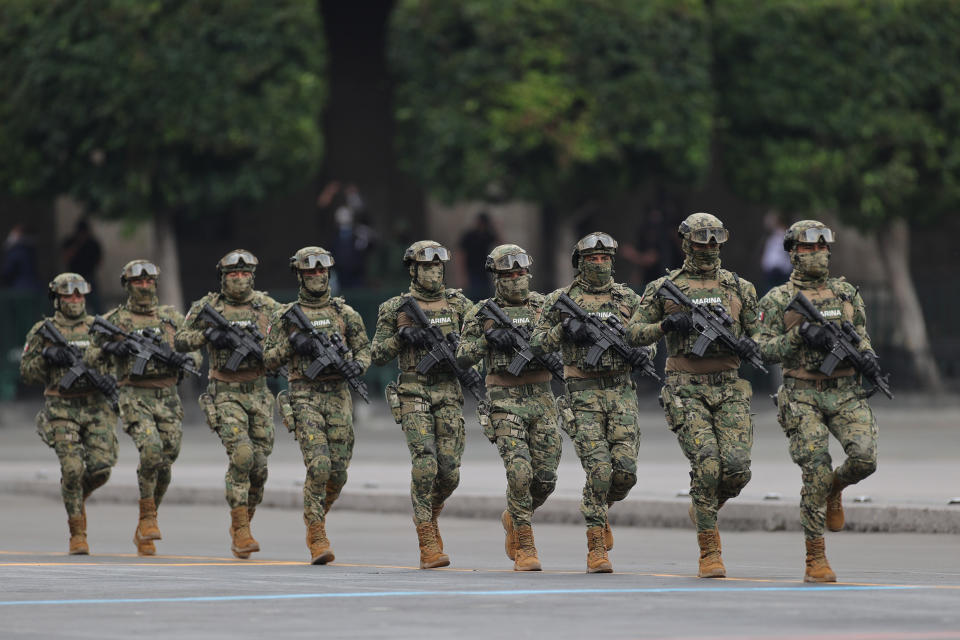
<point>19,267</point>
<point>474,246</point>
<point>350,247</point>
<point>656,249</point>
<point>775,261</point>
<point>82,254</point>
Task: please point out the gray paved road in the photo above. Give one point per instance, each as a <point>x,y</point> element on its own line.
<point>896,586</point>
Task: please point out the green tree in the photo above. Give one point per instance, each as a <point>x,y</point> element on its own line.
<point>556,101</point>
<point>848,107</point>
<point>161,109</point>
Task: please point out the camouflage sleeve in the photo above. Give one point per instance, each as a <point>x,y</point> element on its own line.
<point>33,366</point>
<point>750,311</point>
<point>860,319</point>
<point>386,343</point>
<point>548,334</point>
<point>95,355</point>
<point>774,340</point>
<point>462,304</point>
<point>357,338</point>
<point>276,345</point>
<point>178,321</point>
<point>190,335</point>
<point>644,326</point>
<point>473,344</point>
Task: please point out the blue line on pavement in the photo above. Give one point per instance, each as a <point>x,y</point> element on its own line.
<point>499,592</point>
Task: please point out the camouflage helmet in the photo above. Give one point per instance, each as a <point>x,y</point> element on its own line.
<point>67,284</point>
<point>310,258</point>
<point>138,269</point>
<point>237,260</point>
<point>596,242</point>
<point>507,257</point>
<point>425,251</point>
<point>807,231</point>
<point>701,228</point>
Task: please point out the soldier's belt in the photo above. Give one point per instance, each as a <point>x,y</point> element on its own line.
<point>161,383</point>
<point>80,397</point>
<point>603,382</point>
<point>682,378</point>
<point>820,385</point>
<point>241,387</point>
<point>409,377</point>
<point>156,392</point>
<point>506,393</point>
<point>329,384</point>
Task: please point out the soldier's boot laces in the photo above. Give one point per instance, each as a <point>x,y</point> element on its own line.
<point>711,565</point>
<point>510,541</point>
<point>818,569</point>
<point>242,541</point>
<point>607,536</point>
<point>436,528</point>
<point>431,556</point>
<point>527,559</point>
<point>319,545</point>
<point>145,546</point>
<point>148,528</point>
<point>835,506</point>
<point>692,512</point>
<point>597,560</point>
<point>78,536</point>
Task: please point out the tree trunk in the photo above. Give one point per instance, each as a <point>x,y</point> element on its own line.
<point>169,288</point>
<point>894,243</point>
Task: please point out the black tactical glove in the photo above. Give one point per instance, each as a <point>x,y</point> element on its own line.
<point>352,369</point>
<point>552,361</point>
<point>499,339</point>
<point>118,348</point>
<point>871,366</point>
<point>679,322</point>
<point>746,347</point>
<point>182,359</point>
<point>59,356</point>
<point>218,337</point>
<point>471,378</point>
<point>301,343</point>
<point>816,336</point>
<point>414,335</point>
<point>576,330</point>
<point>637,355</point>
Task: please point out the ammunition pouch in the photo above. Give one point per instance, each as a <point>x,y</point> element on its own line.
<point>286,411</point>
<point>508,425</point>
<point>483,417</point>
<point>209,410</point>
<point>391,392</point>
<point>568,421</point>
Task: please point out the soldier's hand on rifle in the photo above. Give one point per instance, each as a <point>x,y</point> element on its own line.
<point>499,339</point>
<point>352,369</point>
<point>816,336</point>
<point>637,355</point>
<point>576,330</point>
<point>746,347</point>
<point>301,343</point>
<point>679,322</point>
<point>414,335</point>
<point>871,365</point>
<point>472,378</point>
<point>217,337</point>
<point>118,348</point>
<point>57,355</point>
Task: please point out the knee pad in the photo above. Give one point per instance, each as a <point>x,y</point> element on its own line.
<point>242,458</point>
<point>599,477</point>
<point>519,474</point>
<point>95,479</point>
<point>71,470</point>
<point>318,472</point>
<point>151,456</point>
<point>545,480</point>
<point>424,469</point>
<point>622,479</point>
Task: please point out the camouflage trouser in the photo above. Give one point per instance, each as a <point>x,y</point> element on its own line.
<point>432,421</point>
<point>83,433</point>
<point>323,413</point>
<point>807,417</point>
<point>245,426</point>
<point>713,426</point>
<point>523,423</point>
<point>607,439</point>
<point>153,417</point>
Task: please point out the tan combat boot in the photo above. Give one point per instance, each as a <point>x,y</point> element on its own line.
<point>436,528</point>
<point>526,551</point>
<point>818,569</point>
<point>145,546</point>
<point>320,551</point>
<point>510,541</point>
<point>431,556</point>
<point>148,528</point>
<point>597,560</point>
<point>78,536</point>
<point>692,512</point>
<point>835,506</point>
<point>607,536</point>
<point>242,542</point>
<point>711,566</point>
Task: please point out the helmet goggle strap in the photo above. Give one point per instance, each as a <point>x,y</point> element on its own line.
<point>815,236</point>
<point>595,240</point>
<point>71,287</point>
<point>429,254</point>
<point>237,258</point>
<point>512,261</point>
<point>313,260</point>
<point>141,270</point>
<point>705,235</point>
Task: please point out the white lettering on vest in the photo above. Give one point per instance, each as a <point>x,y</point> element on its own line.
<point>603,315</point>
<point>713,300</point>
<point>82,344</point>
<point>243,324</point>
<point>441,320</point>
<point>521,320</point>
<point>831,313</point>
<point>322,322</point>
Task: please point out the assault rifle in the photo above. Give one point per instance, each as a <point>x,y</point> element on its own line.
<point>521,343</point>
<point>328,351</point>
<point>711,321</point>
<point>844,343</point>
<point>145,346</point>
<point>244,342</point>
<point>604,335</point>
<point>442,349</point>
<point>102,382</point>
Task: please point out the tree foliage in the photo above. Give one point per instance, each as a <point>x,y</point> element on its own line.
<point>842,105</point>
<point>552,100</point>
<point>139,106</point>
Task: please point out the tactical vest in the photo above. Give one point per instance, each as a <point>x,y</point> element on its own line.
<point>603,305</point>
<point>154,321</point>
<point>835,306</point>
<point>726,291</point>
<point>496,361</point>
<point>77,335</point>
<point>327,319</point>
<point>441,314</point>
<point>242,316</point>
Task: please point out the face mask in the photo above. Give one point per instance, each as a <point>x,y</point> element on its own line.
<point>707,260</point>
<point>514,290</point>
<point>430,277</point>
<point>142,296</point>
<point>316,283</point>
<point>597,273</point>
<point>237,288</point>
<point>815,264</point>
<point>73,309</point>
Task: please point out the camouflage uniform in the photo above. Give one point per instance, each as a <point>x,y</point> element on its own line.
<point>431,405</point>
<point>522,410</point>
<point>319,412</point>
<point>78,425</point>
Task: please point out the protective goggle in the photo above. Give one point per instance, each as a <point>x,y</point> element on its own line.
<point>235,258</point>
<point>429,254</point>
<point>70,287</point>
<point>142,269</point>
<point>595,240</point>
<point>314,260</point>
<point>815,235</point>
<point>512,261</point>
<point>705,235</point>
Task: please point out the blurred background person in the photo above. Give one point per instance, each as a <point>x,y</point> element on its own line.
<point>474,246</point>
<point>19,266</point>
<point>82,253</point>
<point>775,262</point>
